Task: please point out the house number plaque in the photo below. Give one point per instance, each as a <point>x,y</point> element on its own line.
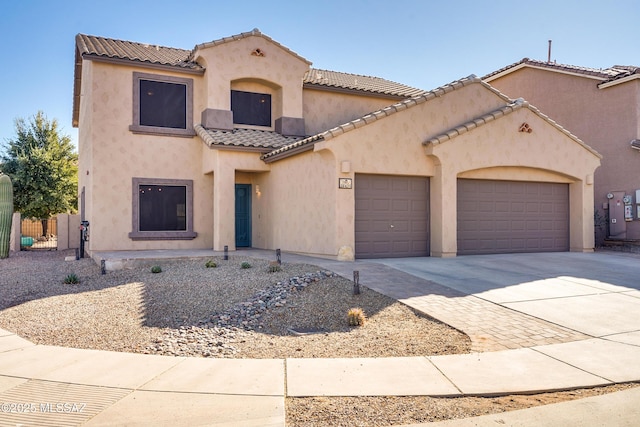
<point>346,183</point>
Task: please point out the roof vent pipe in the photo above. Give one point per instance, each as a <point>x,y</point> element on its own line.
<point>549,54</point>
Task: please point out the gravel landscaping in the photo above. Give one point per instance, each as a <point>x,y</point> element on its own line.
<point>228,311</point>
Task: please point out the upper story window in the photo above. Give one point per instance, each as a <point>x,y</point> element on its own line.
<point>162,105</point>
<point>251,108</point>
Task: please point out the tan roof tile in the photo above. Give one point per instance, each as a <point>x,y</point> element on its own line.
<point>346,81</point>
<point>374,116</point>
<point>112,49</point>
<point>253,33</point>
<point>496,114</point>
<point>245,138</point>
<point>102,47</point>
<point>605,74</point>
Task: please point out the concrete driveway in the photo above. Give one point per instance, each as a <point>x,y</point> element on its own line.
<point>597,294</point>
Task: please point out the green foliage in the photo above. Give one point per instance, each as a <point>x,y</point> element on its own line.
<point>156,269</point>
<point>71,279</point>
<point>274,267</point>
<point>43,166</point>
<point>356,317</point>
<point>6,214</point>
<point>211,264</point>
<point>245,265</point>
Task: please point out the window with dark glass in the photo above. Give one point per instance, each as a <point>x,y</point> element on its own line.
<point>251,108</point>
<point>162,208</point>
<point>163,104</point>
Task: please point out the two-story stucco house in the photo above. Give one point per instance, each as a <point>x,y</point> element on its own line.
<point>602,107</point>
<point>239,142</point>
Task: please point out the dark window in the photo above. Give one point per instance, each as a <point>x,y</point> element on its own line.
<point>163,104</point>
<point>163,208</point>
<point>251,108</point>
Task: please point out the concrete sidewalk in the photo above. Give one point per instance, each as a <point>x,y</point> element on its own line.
<point>135,389</point>
<point>111,388</point>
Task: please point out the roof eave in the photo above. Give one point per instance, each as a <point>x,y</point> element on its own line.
<point>288,153</point>
<point>349,91</point>
<point>502,112</point>
<point>253,33</point>
<point>621,80</point>
<point>143,64</point>
<point>77,81</point>
<point>522,65</point>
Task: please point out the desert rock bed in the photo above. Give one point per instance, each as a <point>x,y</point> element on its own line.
<point>234,312</point>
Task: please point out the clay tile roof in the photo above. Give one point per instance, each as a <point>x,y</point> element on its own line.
<point>605,74</point>
<point>102,47</point>
<point>376,85</point>
<point>245,138</point>
<point>425,96</point>
<point>253,33</point>
<point>505,110</point>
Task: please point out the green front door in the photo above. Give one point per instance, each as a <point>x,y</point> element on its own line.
<point>243,215</point>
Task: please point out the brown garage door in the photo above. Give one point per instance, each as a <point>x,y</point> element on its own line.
<point>392,216</point>
<point>512,216</point>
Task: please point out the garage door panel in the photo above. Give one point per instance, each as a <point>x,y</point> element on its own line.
<point>396,209</point>
<point>420,227</point>
<point>379,205</point>
<point>515,216</point>
<point>400,205</point>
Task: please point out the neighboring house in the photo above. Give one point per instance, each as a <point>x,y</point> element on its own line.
<point>601,107</point>
<point>239,142</point>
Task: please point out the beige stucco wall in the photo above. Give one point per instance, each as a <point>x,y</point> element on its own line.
<point>233,61</point>
<point>606,119</point>
<point>299,207</point>
<point>111,156</point>
<point>497,150</point>
<point>299,201</point>
<point>324,110</point>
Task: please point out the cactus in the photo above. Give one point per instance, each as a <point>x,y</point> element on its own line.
<point>356,317</point>
<point>6,214</point>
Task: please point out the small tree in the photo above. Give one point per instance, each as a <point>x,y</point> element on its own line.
<point>43,167</point>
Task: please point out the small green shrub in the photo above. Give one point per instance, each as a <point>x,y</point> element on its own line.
<point>156,269</point>
<point>71,279</point>
<point>356,317</point>
<point>245,265</point>
<point>211,264</point>
<point>274,267</point>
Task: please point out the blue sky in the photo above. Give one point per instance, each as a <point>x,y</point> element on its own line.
<point>420,43</point>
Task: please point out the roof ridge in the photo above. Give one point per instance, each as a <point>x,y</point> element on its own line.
<point>603,73</point>
<point>504,110</point>
<point>106,48</point>
<point>352,74</point>
<point>511,107</point>
<point>382,113</point>
<point>315,77</point>
<point>129,41</point>
<point>253,33</point>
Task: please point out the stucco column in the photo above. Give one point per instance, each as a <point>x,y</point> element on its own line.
<point>581,232</point>
<point>443,207</point>
<point>224,223</point>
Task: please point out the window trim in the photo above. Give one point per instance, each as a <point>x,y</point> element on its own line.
<point>253,125</point>
<point>136,127</point>
<point>136,234</point>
